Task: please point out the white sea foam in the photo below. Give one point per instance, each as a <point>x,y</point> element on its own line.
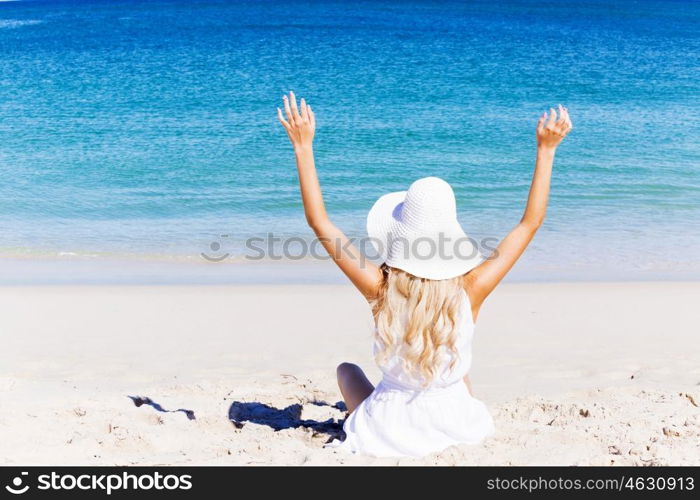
<point>18,23</point>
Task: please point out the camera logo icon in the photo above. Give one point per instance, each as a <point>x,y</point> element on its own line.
<point>16,487</point>
<point>217,254</point>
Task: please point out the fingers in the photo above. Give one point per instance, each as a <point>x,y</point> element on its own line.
<point>304,110</point>
<point>295,110</point>
<point>288,110</point>
<point>562,126</point>
<point>280,117</point>
<point>296,115</point>
<point>540,123</point>
<point>312,117</point>
<point>564,123</point>
<point>556,123</point>
<point>559,123</point>
<point>562,115</point>
<point>568,119</point>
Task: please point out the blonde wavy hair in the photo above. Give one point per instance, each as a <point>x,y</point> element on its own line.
<point>417,318</point>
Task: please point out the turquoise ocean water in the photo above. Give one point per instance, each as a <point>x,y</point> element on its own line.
<point>147,130</point>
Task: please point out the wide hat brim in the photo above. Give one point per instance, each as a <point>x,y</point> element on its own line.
<point>437,251</point>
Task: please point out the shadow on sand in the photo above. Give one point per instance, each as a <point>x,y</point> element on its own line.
<point>285,418</point>
<point>140,401</point>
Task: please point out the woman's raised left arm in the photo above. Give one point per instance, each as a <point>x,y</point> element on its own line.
<point>300,124</point>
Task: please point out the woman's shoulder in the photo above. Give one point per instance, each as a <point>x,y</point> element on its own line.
<point>467,288</point>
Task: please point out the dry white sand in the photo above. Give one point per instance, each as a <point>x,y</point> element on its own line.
<point>584,373</point>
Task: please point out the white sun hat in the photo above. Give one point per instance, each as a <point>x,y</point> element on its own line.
<point>417,231</point>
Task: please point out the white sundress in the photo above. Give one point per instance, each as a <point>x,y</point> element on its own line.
<point>402,418</point>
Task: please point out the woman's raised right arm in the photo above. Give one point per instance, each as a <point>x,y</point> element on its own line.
<point>481,281</point>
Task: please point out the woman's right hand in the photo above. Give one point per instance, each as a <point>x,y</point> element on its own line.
<point>551,132</point>
<point>300,123</point>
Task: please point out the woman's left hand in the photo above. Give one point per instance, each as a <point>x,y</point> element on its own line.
<point>300,123</point>
<point>551,132</point>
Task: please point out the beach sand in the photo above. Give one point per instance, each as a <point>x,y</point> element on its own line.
<point>574,374</point>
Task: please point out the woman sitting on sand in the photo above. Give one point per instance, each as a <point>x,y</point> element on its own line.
<point>425,299</point>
